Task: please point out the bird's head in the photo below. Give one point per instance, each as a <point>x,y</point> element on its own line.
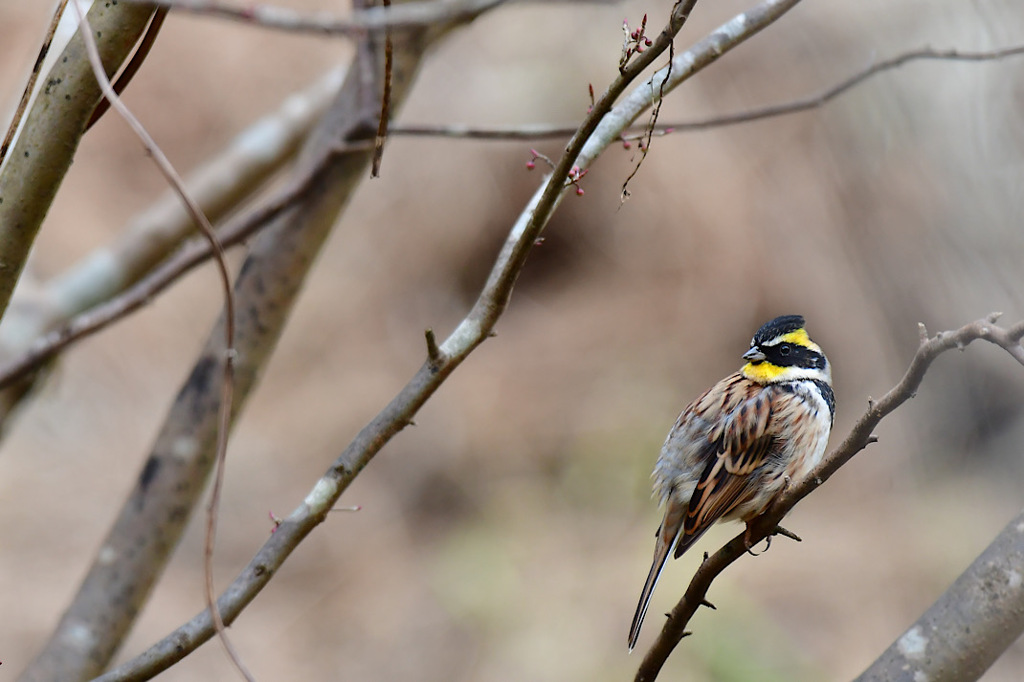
<point>782,351</point>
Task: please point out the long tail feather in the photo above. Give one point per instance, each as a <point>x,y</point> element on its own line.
<point>662,550</point>
<point>672,540</point>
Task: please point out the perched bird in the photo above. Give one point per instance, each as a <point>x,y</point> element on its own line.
<point>734,449</point>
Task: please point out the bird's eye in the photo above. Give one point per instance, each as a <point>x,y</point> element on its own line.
<point>784,349</point>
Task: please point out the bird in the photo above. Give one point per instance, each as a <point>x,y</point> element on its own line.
<point>738,446</point>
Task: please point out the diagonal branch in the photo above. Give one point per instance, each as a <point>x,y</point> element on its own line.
<point>970,626</point>
<point>412,15</point>
<point>42,151</point>
<point>30,86</point>
<point>858,439</point>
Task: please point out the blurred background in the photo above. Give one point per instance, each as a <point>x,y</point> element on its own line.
<point>507,535</point>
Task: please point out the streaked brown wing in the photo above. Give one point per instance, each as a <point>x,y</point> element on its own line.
<point>741,443</point>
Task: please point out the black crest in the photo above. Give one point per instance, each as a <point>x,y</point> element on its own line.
<point>777,327</point>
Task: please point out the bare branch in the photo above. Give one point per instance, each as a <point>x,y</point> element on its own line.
<point>227,382</point>
<point>963,633</point>
<point>412,15</point>
<point>542,131</point>
<point>385,102</point>
<point>859,438</point>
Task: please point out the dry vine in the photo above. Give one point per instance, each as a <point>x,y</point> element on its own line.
<point>859,438</point>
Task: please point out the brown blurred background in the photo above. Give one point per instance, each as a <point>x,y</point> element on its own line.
<point>507,535</point>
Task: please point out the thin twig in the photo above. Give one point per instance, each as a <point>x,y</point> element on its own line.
<point>408,16</point>
<point>26,94</point>
<point>385,102</point>
<point>206,228</point>
<point>859,438</point>
<point>652,121</point>
<point>544,131</point>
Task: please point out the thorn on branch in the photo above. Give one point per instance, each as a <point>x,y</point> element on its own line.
<point>779,530</point>
<point>872,439</point>
<point>434,354</point>
<point>922,333</point>
<point>353,508</point>
<point>276,521</point>
<point>705,602</point>
<point>994,317</point>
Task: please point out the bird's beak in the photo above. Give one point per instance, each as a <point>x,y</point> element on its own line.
<point>754,355</point>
